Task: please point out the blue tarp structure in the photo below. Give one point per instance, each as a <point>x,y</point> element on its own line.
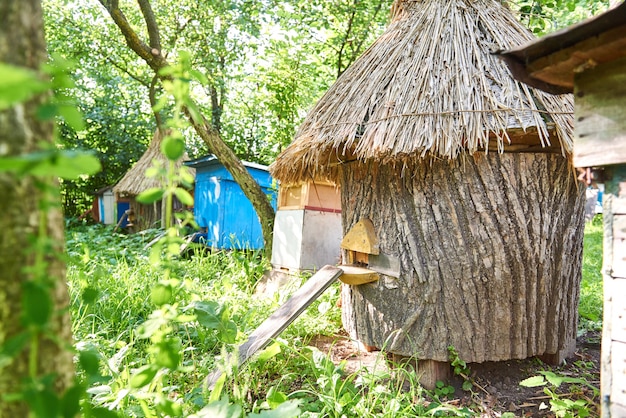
<point>222,210</point>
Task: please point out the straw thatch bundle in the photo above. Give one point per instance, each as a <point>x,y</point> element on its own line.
<point>135,181</point>
<point>429,86</point>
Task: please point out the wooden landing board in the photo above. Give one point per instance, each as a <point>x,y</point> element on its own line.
<point>285,315</point>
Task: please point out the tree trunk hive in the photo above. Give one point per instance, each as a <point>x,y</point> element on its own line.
<point>465,176</point>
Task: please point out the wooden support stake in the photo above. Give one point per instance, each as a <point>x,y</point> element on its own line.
<point>285,315</point>
<point>429,371</point>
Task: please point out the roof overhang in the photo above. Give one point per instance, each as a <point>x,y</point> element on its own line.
<point>210,160</point>
<point>551,62</point>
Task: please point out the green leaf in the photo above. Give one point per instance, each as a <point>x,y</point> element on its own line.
<point>552,378</point>
<point>36,304</point>
<point>288,409</point>
<point>199,76</point>
<point>102,413</point>
<point>270,352</point>
<point>161,103</point>
<point>152,325</point>
<point>184,196</point>
<point>227,332</point>
<point>18,85</point>
<point>90,295</point>
<point>185,176</point>
<point>151,195</point>
<point>467,385</point>
<point>43,402</point>
<point>64,108</point>
<point>532,382</point>
<point>221,409</point>
<point>170,408</point>
<point>89,360</point>
<point>143,376</point>
<point>169,70</point>
<point>207,314</point>
<point>557,380</point>
<point>14,345</point>
<point>275,398</point>
<point>72,164</point>
<point>161,294</point>
<point>70,402</point>
<point>168,353</point>
<point>67,164</point>
<point>173,147</point>
<point>194,111</point>
<point>72,116</point>
<point>216,393</point>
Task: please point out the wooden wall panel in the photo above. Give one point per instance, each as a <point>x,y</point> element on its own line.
<point>618,371</point>
<point>600,115</point>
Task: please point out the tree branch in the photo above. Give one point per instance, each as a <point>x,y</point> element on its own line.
<point>151,56</point>
<point>152,95</point>
<point>346,39</point>
<point>151,24</point>
<point>358,47</point>
<point>125,70</point>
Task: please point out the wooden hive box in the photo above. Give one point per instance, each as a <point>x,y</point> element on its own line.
<point>307,230</point>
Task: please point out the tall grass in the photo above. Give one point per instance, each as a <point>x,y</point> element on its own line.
<point>591,298</point>
<point>111,278</point>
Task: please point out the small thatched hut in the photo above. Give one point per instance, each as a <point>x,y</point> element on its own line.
<point>135,181</point>
<point>465,175</point>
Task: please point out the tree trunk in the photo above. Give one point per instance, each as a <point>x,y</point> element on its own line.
<point>490,249</point>
<point>22,44</point>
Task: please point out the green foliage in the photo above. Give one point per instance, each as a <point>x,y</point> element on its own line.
<point>442,390</point>
<point>460,367</point>
<point>150,325</point>
<point>545,16</point>
<point>561,405</point>
<point>111,92</point>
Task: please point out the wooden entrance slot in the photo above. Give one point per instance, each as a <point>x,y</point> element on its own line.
<point>359,243</point>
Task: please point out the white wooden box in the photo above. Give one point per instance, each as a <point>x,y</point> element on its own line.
<point>306,239</point>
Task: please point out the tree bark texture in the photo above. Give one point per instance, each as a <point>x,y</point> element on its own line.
<point>490,249</point>
<point>22,44</point>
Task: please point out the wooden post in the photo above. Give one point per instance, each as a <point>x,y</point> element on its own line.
<point>613,375</point>
<point>429,372</point>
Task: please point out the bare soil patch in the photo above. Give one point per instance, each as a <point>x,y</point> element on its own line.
<point>496,386</point>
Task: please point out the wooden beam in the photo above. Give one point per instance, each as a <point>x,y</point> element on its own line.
<point>560,67</point>
<point>285,315</point>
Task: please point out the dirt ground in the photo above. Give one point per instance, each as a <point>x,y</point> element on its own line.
<point>496,386</point>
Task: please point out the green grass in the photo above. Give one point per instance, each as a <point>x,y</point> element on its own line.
<point>591,298</point>
<point>111,280</point>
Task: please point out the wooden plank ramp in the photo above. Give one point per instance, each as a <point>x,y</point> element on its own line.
<point>281,318</point>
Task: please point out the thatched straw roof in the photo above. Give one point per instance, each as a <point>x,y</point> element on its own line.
<point>135,180</point>
<point>428,87</point>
